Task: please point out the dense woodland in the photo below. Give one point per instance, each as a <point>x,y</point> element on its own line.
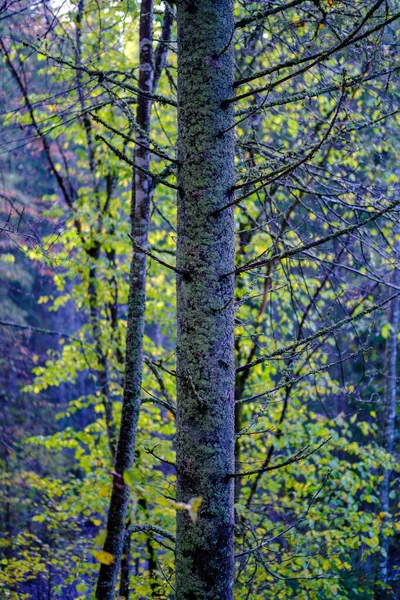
<point>199,299</point>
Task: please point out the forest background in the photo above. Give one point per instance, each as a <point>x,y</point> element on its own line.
<point>88,121</point>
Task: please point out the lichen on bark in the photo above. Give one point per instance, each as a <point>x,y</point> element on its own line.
<point>205,249</point>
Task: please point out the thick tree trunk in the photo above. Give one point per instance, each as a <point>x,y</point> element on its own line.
<point>116,524</point>
<point>205,355</point>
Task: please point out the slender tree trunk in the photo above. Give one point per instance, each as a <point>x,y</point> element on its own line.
<point>125,568</point>
<point>151,551</point>
<point>389,427</point>
<point>140,216</point>
<point>205,251</point>
<point>238,428</point>
<point>160,57</point>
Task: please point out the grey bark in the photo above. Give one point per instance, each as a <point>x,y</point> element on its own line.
<point>160,57</point>
<point>140,217</point>
<point>205,311</point>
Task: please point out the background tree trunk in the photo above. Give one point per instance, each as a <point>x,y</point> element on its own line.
<point>388,437</point>
<point>140,217</point>
<point>205,350</point>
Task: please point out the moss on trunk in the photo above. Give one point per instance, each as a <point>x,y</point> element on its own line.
<point>205,356</point>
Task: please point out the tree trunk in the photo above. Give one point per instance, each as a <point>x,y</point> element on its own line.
<point>125,568</point>
<point>205,311</point>
<point>389,428</point>
<point>140,216</point>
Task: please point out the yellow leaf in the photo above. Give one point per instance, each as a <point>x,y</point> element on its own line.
<point>195,504</point>
<point>325,564</point>
<point>192,507</point>
<point>372,542</point>
<point>182,506</point>
<point>104,557</point>
<point>129,476</point>
<point>96,522</point>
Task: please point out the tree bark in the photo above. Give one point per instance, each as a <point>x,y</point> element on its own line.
<point>125,568</point>
<point>205,307</point>
<point>140,217</point>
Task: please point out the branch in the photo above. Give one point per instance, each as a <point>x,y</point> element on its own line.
<point>156,400</point>
<point>39,132</point>
<point>100,75</point>
<point>134,165</point>
<point>41,330</point>
<point>151,528</point>
<point>317,57</point>
<point>296,379</point>
<point>292,526</point>
<point>271,86</point>
<point>158,153</point>
<point>293,459</point>
<point>184,274</point>
<point>163,460</point>
<point>169,403</point>
<point>315,243</point>
<point>285,170</point>
<point>286,98</point>
<point>317,334</point>
<point>263,14</point>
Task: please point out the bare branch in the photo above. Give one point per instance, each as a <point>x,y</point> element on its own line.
<point>301,455</point>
